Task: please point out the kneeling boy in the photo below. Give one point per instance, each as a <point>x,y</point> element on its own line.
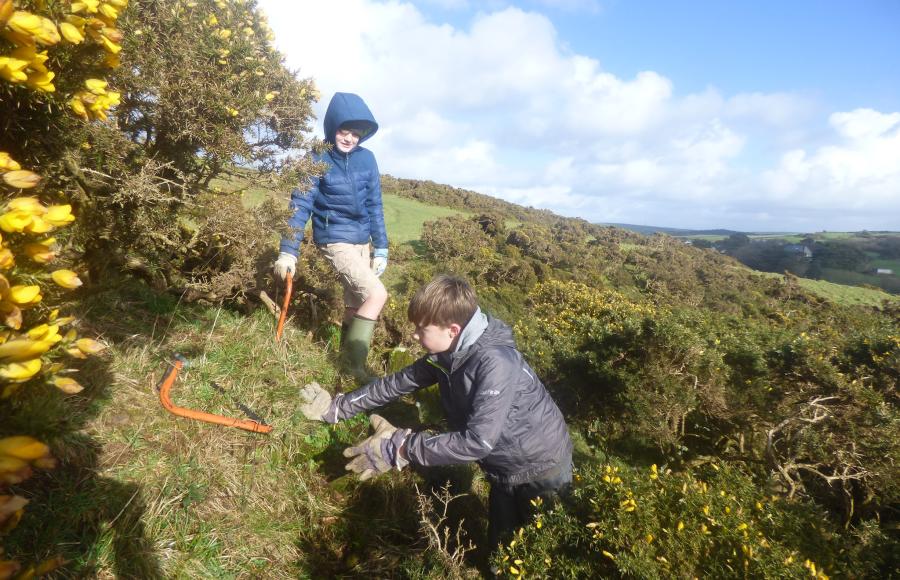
<point>500,414</point>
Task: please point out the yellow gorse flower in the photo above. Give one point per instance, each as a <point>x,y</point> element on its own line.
<point>89,346</point>
<point>23,447</point>
<point>24,295</point>
<point>71,33</point>
<point>6,10</point>
<point>7,163</point>
<point>90,6</point>
<point>7,259</point>
<point>41,252</point>
<point>59,215</point>
<point>23,349</point>
<point>66,278</point>
<point>27,204</point>
<point>95,101</point>
<point>20,372</point>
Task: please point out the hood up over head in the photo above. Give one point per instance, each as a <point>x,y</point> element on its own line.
<point>350,111</point>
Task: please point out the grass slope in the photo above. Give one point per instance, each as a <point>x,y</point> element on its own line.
<point>151,495</point>
<point>404,217</point>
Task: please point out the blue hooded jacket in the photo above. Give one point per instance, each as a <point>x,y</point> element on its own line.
<point>345,202</point>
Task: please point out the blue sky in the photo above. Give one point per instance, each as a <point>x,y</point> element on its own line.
<point>751,115</point>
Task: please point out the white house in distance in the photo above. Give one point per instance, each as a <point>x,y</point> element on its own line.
<point>884,271</point>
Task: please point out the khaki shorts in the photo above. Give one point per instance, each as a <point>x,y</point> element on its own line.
<point>354,268</point>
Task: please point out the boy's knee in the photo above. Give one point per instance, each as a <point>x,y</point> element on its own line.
<point>377,293</point>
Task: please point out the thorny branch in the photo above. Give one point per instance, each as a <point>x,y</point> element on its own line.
<point>812,412</point>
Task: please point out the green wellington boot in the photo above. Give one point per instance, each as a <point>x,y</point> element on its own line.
<point>355,348</point>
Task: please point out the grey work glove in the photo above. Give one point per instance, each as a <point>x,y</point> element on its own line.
<point>314,402</point>
<point>285,265</point>
<point>317,405</point>
<point>379,453</point>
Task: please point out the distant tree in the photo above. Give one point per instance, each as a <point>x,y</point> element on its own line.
<point>734,241</point>
<point>843,255</point>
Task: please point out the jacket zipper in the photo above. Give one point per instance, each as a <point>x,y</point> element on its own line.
<point>352,183</point>
<point>440,368</point>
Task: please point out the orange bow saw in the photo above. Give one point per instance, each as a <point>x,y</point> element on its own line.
<point>165,385</point>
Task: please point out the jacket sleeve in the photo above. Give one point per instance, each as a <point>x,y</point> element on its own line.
<point>494,395</point>
<point>376,210</point>
<point>301,207</point>
<point>382,391</point>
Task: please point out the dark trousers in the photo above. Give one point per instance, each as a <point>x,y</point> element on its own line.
<point>509,506</point>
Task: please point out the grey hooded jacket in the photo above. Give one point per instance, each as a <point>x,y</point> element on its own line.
<point>499,412</point>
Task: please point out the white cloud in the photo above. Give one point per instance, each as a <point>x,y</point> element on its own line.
<point>863,124</point>
<point>503,107</point>
<point>860,172</point>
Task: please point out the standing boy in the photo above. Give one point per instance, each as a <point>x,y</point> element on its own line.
<point>499,413</point>
<point>346,210</point>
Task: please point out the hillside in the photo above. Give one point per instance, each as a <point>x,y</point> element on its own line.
<point>695,390</point>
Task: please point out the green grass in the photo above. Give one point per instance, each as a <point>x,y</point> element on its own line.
<point>840,293</point>
<point>847,295</point>
<point>404,217</point>
<point>251,192</point>
<point>885,263</point>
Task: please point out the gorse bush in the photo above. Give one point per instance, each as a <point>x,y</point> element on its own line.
<point>674,354</point>
<point>620,357</point>
<point>201,93</point>
<point>37,345</point>
<point>651,522</point>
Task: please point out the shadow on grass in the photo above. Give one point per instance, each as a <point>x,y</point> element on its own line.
<point>94,522</point>
<point>380,532</point>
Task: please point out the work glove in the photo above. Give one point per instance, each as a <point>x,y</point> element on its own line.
<point>379,453</point>
<point>285,265</point>
<point>379,262</point>
<point>314,402</point>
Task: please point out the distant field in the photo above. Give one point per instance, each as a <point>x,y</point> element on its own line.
<point>251,193</point>
<point>404,217</point>
<point>839,293</point>
<point>847,294</point>
<point>890,264</point>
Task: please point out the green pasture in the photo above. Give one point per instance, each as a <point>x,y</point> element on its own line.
<point>404,217</point>
<point>840,293</point>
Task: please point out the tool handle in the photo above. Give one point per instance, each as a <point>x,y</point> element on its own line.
<point>289,286</point>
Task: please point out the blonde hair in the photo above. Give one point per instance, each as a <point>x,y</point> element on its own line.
<point>444,301</point>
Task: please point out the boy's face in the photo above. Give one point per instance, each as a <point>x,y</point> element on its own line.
<point>435,338</point>
<point>346,140</point>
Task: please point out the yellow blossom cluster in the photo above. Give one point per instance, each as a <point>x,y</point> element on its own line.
<point>25,353</point>
<point>94,20</point>
<point>95,101</point>
<point>563,308</point>
<point>27,31</point>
